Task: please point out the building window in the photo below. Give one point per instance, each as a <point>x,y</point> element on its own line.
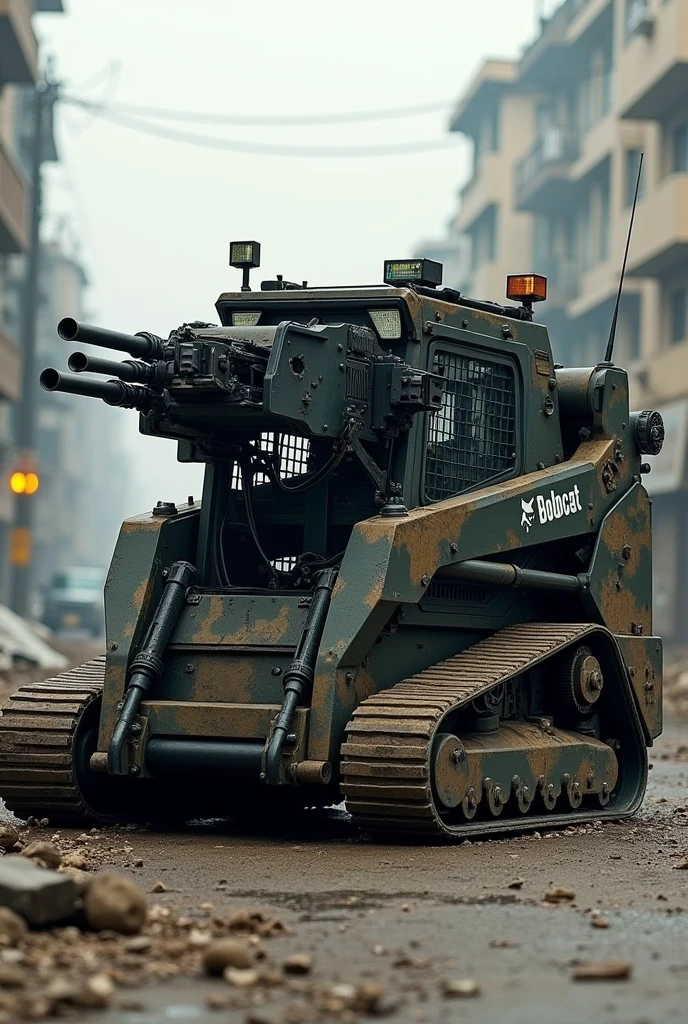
<point>632,165</point>
<point>493,130</point>
<point>605,226</point>
<point>679,148</point>
<point>678,312</point>
<point>636,13</point>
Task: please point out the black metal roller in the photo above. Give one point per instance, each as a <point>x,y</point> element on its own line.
<point>581,682</point>
<point>649,432</point>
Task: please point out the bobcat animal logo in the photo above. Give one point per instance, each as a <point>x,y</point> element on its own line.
<point>528,515</point>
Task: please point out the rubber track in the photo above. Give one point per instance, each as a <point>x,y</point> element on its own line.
<point>387,753</point>
<point>37,731</point>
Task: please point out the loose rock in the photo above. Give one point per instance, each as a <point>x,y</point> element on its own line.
<point>11,977</point>
<point>605,970</point>
<point>241,977</point>
<point>115,903</point>
<point>96,992</point>
<point>517,883</point>
<point>460,988</point>
<point>45,855</point>
<point>9,837</point>
<point>41,897</point>
<point>298,963</point>
<point>223,953</point>
<point>75,859</point>
<point>599,921</point>
<point>368,996</point>
<point>159,887</point>
<point>12,927</point>
<point>559,894</point>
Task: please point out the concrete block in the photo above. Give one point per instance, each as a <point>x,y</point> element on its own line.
<point>41,897</point>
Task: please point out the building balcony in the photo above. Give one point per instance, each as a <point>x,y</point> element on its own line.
<point>541,62</point>
<point>489,186</point>
<point>660,231</point>
<point>13,208</point>
<point>18,46</point>
<point>541,178</point>
<point>652,70</point>
<point>10,369</point>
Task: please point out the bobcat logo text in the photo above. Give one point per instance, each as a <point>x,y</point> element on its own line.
<point>550,507</point>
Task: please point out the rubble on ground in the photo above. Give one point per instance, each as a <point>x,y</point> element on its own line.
<point>73,941</point>
<point>20,644</point>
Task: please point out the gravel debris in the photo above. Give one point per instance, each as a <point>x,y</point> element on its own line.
<point>559,894</point>
<point>45,855</point>
<point>227,952</point>
<point>604,970</point>
<point>13,928</point>
<point>453,988</point>
<point>298,963</point>
<point>9,837</point>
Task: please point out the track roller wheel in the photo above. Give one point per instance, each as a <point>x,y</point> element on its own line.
<point>496,797</point>
<point>573,791</point>
<point>469,804</point>
<point>548,793</point>
<point>524,797</point>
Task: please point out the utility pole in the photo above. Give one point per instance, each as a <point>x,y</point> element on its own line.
<point>44,96</point>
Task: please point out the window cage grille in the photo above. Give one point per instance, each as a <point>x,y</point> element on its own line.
<point>472,438</point>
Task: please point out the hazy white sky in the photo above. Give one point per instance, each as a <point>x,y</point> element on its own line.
<point>155,217</point>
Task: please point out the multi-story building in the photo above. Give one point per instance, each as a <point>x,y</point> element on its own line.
<point>557,139</point>
<point>83,494</point>
<point>18,73</point>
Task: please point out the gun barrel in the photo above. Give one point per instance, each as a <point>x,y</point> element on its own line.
<point>142,346</point>
<point>70,384</point>
<point>79,362</point>
<point>114,392</point>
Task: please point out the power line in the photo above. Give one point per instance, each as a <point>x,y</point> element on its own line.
<point>264,121</point>
<point>263,148</point>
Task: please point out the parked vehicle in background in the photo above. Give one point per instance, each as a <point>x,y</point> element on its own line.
<point>74,600</point>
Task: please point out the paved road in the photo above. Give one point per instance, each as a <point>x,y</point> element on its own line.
<point>411,916</point>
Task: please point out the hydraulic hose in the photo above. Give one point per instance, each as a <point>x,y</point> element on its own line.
<point>147,666</point>
<point>298,679</point>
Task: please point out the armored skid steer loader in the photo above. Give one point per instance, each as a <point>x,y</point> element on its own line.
<point>419,576</point>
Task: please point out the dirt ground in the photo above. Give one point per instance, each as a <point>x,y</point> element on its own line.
<point>431,933</point>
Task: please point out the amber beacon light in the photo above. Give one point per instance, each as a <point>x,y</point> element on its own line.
<point>527,288</point>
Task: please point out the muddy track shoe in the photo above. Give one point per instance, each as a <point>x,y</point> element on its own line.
<point>409,768</point>
<point>47,733</point>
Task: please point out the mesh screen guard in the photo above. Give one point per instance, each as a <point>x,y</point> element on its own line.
<point>472,438</point>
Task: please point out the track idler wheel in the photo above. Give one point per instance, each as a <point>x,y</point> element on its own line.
<point>450,770</point>
<point>581,682</point>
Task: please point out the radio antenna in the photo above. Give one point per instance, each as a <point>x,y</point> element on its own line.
<point>612,330</point>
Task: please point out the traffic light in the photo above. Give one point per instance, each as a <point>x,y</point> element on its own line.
<point>24,481</point>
